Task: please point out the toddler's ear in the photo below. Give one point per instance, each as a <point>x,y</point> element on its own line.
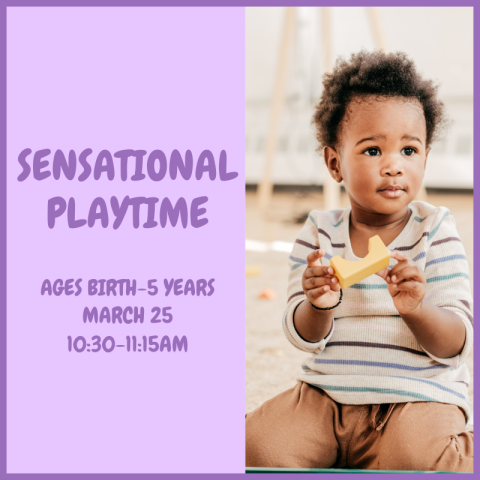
<point>427,151</point>
<point>332,162</point>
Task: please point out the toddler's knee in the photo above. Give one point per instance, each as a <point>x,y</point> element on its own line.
<point>256,446</point>
<point>448,455</point>
<point>406,457</point>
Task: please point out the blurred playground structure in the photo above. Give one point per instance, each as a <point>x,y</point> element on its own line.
<point>287,52</point>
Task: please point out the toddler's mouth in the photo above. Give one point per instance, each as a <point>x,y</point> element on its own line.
<point>392,191</point>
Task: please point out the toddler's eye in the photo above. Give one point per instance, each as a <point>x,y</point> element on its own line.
<point>408,151</point>
<point>372,152</point>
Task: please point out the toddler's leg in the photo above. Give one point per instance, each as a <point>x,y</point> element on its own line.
<point>293,430</point>
<point>419,436</point>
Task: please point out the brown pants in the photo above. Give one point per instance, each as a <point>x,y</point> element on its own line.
<point>304,428</point>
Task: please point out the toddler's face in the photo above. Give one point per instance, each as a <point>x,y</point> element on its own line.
<point>382,153</point>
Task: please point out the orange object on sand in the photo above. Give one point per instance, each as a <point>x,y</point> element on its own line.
<point>268,293</point>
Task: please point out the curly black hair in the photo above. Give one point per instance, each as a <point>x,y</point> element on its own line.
<point>376,74</point>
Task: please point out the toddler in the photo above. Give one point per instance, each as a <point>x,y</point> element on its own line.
<point>386,385</point>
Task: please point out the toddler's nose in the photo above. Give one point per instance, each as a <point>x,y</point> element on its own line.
<point>392,168</point>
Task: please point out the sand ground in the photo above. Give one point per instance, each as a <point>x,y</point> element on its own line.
<point>272,363</point>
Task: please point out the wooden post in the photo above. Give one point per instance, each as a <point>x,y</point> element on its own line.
<point>331,189</point>
<point>265,188</point>
<point>377,27</point>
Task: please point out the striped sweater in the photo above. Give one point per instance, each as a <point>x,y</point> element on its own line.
<point>370,356</point>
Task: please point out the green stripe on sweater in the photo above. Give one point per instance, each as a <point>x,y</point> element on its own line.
<point>435,230</point>
<point>296,266</point>
<point>404,393</point>
<point>366,286</point>
<point>447,277</point>
<point>339,223</point>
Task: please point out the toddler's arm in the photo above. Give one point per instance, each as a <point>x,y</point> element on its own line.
<point>322,290</point>
<point>439,331</point>
<point>435,302</point>
<point>304,328</point>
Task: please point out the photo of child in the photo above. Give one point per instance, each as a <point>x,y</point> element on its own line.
<point>386,382</point>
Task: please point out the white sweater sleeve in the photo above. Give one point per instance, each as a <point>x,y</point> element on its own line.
<point>306,242</point>
<point>448,284</point>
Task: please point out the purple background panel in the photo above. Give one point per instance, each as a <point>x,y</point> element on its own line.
<point>188,456</point>
<point>116,78</point>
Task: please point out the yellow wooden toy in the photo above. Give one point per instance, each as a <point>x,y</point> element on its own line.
<point>349,273</point>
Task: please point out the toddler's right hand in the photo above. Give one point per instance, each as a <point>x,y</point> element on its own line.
<point>319,283</point>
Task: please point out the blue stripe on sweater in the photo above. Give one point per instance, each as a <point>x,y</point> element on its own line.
<point>446,259</point>
<point>304,262</point>
<point>419,256</point>
<point>296,259</point>
<point>365,363</point>
<point>435,384</point>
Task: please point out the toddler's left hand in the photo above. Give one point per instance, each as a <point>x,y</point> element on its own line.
<point>407,283</point>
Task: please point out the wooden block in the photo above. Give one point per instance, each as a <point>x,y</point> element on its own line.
<point>349,273</point>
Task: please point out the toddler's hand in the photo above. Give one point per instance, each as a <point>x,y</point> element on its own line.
<point>319,284</point>
<point>407,284</point>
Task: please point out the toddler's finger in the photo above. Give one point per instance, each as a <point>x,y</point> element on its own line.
<point>318,271</point>
<point>314,282</point>
<point>399,256</point>
<point>400,265</point>
<point>383,273</point>
<point>415,288</point>
<point>409,272</point>
<point>318,292</point>
<point>313,258</point>
<point>335,286</point>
